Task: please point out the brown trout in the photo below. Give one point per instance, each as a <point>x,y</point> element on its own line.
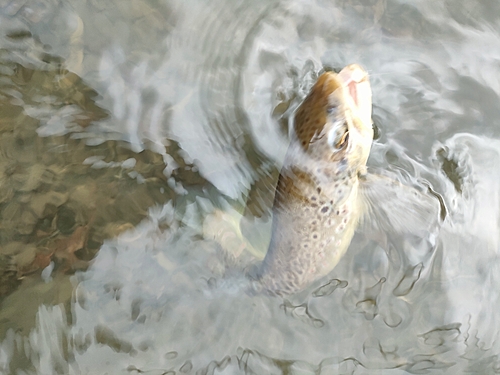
<point>324,191</point>
<point>316,208</point>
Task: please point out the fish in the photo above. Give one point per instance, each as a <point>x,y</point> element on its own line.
<point>316,207</point>
<point>325,192</point>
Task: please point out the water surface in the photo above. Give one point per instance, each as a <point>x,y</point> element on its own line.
<point>123,124</point>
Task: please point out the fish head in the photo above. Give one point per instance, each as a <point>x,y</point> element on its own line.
<point>334,121</point>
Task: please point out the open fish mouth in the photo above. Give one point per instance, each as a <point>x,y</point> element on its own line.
<point>357,89</point>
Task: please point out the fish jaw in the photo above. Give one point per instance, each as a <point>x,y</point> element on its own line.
<point>356,83</point>
<point>358,95</point>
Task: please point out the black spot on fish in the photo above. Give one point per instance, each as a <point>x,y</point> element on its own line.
<point>324,209</point>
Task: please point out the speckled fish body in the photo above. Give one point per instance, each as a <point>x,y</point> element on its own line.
<point>316,208</point>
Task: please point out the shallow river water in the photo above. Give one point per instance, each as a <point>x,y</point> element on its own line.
<point>125,124</point>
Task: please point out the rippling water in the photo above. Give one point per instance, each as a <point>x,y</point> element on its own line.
<point>125,124</point>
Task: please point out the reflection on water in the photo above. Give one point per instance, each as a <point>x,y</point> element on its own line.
<point>124,124</point>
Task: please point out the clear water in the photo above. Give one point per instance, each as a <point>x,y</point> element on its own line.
<point>124,123</point>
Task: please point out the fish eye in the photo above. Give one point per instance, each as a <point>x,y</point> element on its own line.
<point>338,137</point>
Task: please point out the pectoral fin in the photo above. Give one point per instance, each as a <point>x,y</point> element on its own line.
<point>388,205</point>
